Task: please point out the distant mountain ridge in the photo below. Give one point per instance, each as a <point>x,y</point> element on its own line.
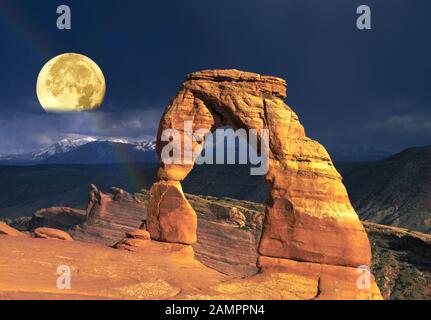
<point>395,191</point>
<point>88,150</point>
<point>53,153</point>
<point>354,153</point>
<point>104,152</point>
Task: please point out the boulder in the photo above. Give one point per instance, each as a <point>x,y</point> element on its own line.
<point>49,233</point>
<point>6,230</point>
<point>237,217</point>
<point>257,220</point>
<point>139,234</point>
<point>62,218</point>
<point>139,245</point>
<point>21,223</point>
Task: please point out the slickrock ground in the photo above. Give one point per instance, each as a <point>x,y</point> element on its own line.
<point>401,263</point>
<point>28,271</point>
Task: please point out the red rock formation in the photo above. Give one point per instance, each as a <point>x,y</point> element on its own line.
<point>139,234</point>
<point>109,216</point>
<point>221,244</point>
<point>173,219</point>
<point>5,230</point>
<point>333,282</point>
<point>309,217</point>
<point>57,217</point>
<point>50,233</point>
<point>157,247</point>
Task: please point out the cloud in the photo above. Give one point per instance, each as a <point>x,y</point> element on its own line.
<point>23,131</point>
<point>403,123</point>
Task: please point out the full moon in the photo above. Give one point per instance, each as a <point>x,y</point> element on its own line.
<point>70,83</point>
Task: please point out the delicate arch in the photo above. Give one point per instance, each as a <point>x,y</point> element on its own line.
<point>309,217</point>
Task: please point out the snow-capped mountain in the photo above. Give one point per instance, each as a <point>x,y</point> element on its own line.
<point>63,146</point>
<point>83,150</point>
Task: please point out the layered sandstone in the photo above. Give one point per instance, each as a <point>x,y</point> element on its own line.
<point>309,217</point>
<point>109,216</point>
<point>221,244</point>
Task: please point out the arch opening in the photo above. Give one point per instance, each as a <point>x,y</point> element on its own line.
<point>231,180</point>
<point>229,204</point>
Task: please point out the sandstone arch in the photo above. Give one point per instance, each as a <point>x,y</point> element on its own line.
<point>309,217</point>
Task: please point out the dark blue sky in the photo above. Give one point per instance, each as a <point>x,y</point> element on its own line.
<point>351,89</point>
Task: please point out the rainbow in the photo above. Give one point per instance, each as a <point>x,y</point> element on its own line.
<point>132,171</point>
<point>16,21</point>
